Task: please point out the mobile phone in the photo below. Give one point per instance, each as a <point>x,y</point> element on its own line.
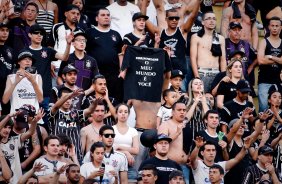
<point>31,70</point>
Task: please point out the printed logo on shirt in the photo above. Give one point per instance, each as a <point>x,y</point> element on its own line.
<point>24,94</point>
<point>114,38</point>
<point>207,180</point>
<point>166,169</point>
<point>9,54</point>
<point>114,163</point>
<point>64,124</point>
<point>8,65</point>
<point>11,146</point>
<point>88,64</point>
<point>44,54</point>
<point>171,43</point>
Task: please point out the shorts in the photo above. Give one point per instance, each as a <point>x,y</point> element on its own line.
<point>132,174</point>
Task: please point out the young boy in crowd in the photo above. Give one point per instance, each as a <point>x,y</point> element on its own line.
<point>176,79</point>
<point>164,113</point>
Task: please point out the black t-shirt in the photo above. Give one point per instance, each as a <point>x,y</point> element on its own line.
<point>270,74</point>
<point>228,89</point>
<point>87,68</point>
<point>233,110</point>
<point>104,47</point>
<point>178,47</point>
<point>164,168</point>
<point>43,58</point>
<point>131,39</point>
<point>6,66</point>
<point>214,140</point>
<point>145,69</point>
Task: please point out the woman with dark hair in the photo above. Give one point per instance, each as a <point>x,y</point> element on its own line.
<point>96,169</point>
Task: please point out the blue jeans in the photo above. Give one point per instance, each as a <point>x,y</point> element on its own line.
<point>186,173</point>
<point>189,76</point>
<point>263,95</point>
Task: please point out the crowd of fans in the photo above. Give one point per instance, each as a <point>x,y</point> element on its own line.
<point>148,91</point>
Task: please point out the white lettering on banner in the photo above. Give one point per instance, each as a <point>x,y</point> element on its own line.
<point>67,125</point>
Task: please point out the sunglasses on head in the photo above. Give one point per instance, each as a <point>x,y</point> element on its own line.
<point>108,135</point>
<point>173,18</point>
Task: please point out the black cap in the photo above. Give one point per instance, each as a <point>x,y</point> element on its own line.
<point>24,54</point>
<point>2,24</point>
<point>21,118</point>
<point>72,7</point>
<point>139,15</point>
<point>161,137</point>
<point>235,52</point>
<point>232,25</point>
<point>265,150</point>
<point>37,28</point>
<point>176,73</point>
<point>243,86</point>
<point>30,109</point>
<point>69,68</point>
<point>175,173</point>
<point>79,33</point>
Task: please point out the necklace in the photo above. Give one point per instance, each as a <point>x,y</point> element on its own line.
<point>94,129</point>
<point>45,9</point>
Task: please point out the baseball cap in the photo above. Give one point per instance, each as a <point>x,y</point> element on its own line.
<point>232,25</point>
<point>37,28</point>
<point>176,73</point>
<point>265,150</point>
<point>161,137</point>
<point>69,68</point>
<point>232,122</point>
<point>235,52</point>
<point>72,7</point>
<point>243,86</point>
<point>3,24</point>
<point>24,54</point>
<point>79,33</point>
<point>30,109</point>
<point>139,15</point>
<point>21,118</point>
<point>175,174</point>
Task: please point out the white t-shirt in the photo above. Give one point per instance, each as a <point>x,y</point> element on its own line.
<point>11,151</point>
<point>49,166</point>
<point>121,17</point>
<point>201,173</point>
<point>164,113</point>
<point>87,168</point>
<point>126,139</point>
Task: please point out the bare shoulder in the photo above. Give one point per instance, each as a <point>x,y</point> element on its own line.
<point>227,12</point>
<point>221,38</point>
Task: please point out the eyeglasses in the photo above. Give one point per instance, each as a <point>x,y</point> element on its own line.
<point>173,18</point>
<point>210,18</point>
<point>108,135</point>
<point>38,33</point>
<point>81,40</point>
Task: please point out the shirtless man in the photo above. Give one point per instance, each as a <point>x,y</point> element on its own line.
<point>207,51</point>
<point>173,128</point>
<point>90,133</point>
<point>249,28</point>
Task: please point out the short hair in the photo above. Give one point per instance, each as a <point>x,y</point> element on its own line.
<point>98,11</point>
<point>95,145</point>
<point>33,176</point>
<point>169,11</point>
<point>275,18</point>
<point>64,140</point>
<point>210,112</point>
<point>9,123</point>
<point>89,181</point>
<point>166,92</point>
<point>216,166</point>
<point>207,143</point>
<point>64,90</point>
<point>150,167</point>
<point>98,102</point>
<point>174,105</point>
<point>98,76</point>
<point>204,14</point>
<point>46,141</point>
<point>69,166</point>
<point>104,128</point>
<point>32,4</point>
<point>118,106</point>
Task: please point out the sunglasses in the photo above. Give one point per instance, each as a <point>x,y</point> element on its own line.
<point>173,18</point>
<point>38,33</point>
<point>108,135</point>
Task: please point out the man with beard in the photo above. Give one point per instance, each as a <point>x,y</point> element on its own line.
<point>90,133</point>
<point>72,174</point>
<point>163,164</point>
<point>207,51</point>
<point>244,13</point>
<point>174,129</point>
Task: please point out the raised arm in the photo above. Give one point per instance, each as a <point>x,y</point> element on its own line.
<point>159,5</point>
<point>6,170</point>
<point>37,167</point>
<point>37,86</point>
<point>193,54</point>
<point>255,36</point>
<point>199,141</point>
<point>225,22</point>
<point>65,56</point>
<point>10,86</point>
